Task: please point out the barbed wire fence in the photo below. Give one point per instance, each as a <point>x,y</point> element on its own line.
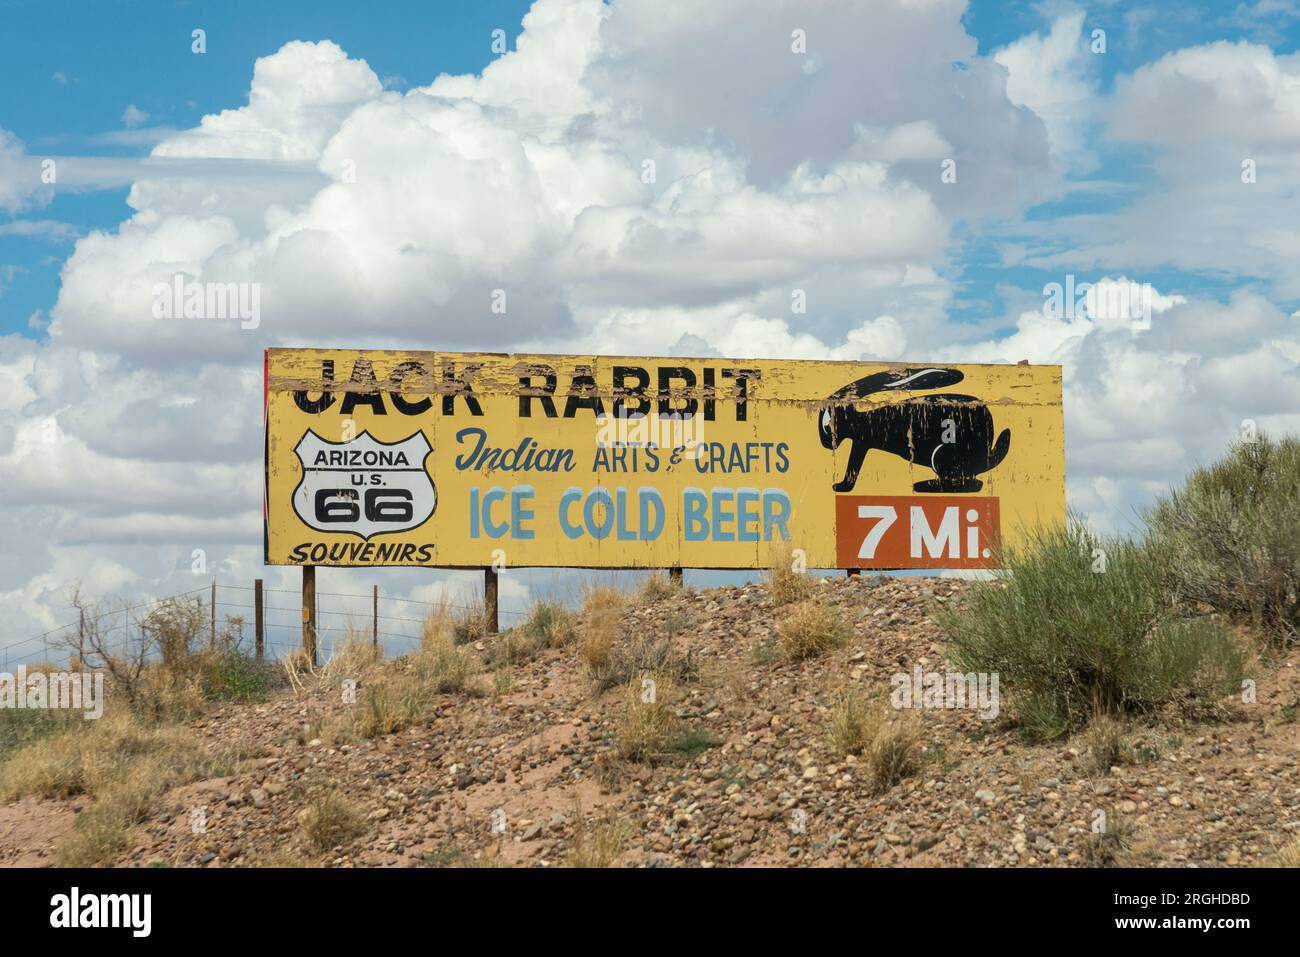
<point>338,615</point>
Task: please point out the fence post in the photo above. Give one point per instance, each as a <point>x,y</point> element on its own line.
<point>309,612</point>
<point>490,599</point>
<point>258,630</point>
<point>374,632</point>
<point>213,603</point>
<point>675,575</point>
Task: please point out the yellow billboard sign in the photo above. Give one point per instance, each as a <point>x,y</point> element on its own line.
<point>479,459</point>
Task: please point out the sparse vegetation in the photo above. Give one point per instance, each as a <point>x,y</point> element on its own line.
<point>1105,744</point>
<point>787,581</point>
<point>658,587</point>
<point>602,613</point>
<point>646,724</point>
<point>405,692</point>
<point>1288,855</point>
<point>850,726</point>
<point>811,629</point>
<point>646,654</point>
<point>329,820</point>
<point>692,742</point>
<point>598,844</point>
<point>469,624</point>
<point>1078,622</point>
<point>1106,847</point>
<point>549,625</point>
<point>887,741</point>
<point>893,750</point>
<point>121,764</point>
<point>1227,539</point>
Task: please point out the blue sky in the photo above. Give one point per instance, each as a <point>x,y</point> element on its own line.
<point>71,69</point>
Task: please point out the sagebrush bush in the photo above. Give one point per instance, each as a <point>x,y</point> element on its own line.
<point>1228,538</point>
<point>1078,623</point>
<point>233,675</point>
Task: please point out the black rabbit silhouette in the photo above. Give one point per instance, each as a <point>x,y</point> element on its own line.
<point>916,428</point>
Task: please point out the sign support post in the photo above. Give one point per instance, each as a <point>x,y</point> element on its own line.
<point>259,628</point>
<point>309,612</point>
<point>490,599</point>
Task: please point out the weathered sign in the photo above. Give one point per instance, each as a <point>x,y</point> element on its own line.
<point>478,459</point>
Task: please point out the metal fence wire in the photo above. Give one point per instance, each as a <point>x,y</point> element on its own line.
<point>398,620</point>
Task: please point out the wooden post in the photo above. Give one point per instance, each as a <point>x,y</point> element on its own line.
<point>309,612</point>
<point>81,639</point>
<point>374,632</point>
<point>675,575</point>
<point>213,603</point>
<point>258,628</point>
<point>490,599</point>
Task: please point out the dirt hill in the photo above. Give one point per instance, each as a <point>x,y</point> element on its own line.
<point>526,771</point>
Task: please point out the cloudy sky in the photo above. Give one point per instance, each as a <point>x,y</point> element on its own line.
<point>644,177</point>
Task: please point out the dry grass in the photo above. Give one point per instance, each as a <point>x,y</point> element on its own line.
<point>1104,743</point>
<point>887,741</point>
<point>658,587</point>
<point>404,692</point>
<point>646,725</point>
<point>850,725</point>
<point>1287,856</point>
<point>810,629</point>
<point>602,614</point>
<point>1107,847</point>
<point>119,762</point>
<point>893,750</point>
<point>298,670</point>
<point>598,844</point>
<point>549,625</point>
<point>330,821</point>
<point>355,658</point>
<point>786,580</point>
<point>631,658</point>
<point>469,623</point>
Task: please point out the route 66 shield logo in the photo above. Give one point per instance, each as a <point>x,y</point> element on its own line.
<point>364,486</point>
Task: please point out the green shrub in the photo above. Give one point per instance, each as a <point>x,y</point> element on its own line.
<point>232,675</point>
<point>1229,538</point>
<point>1078,623</point>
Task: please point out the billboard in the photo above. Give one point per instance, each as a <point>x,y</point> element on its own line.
<point>466,460</point>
